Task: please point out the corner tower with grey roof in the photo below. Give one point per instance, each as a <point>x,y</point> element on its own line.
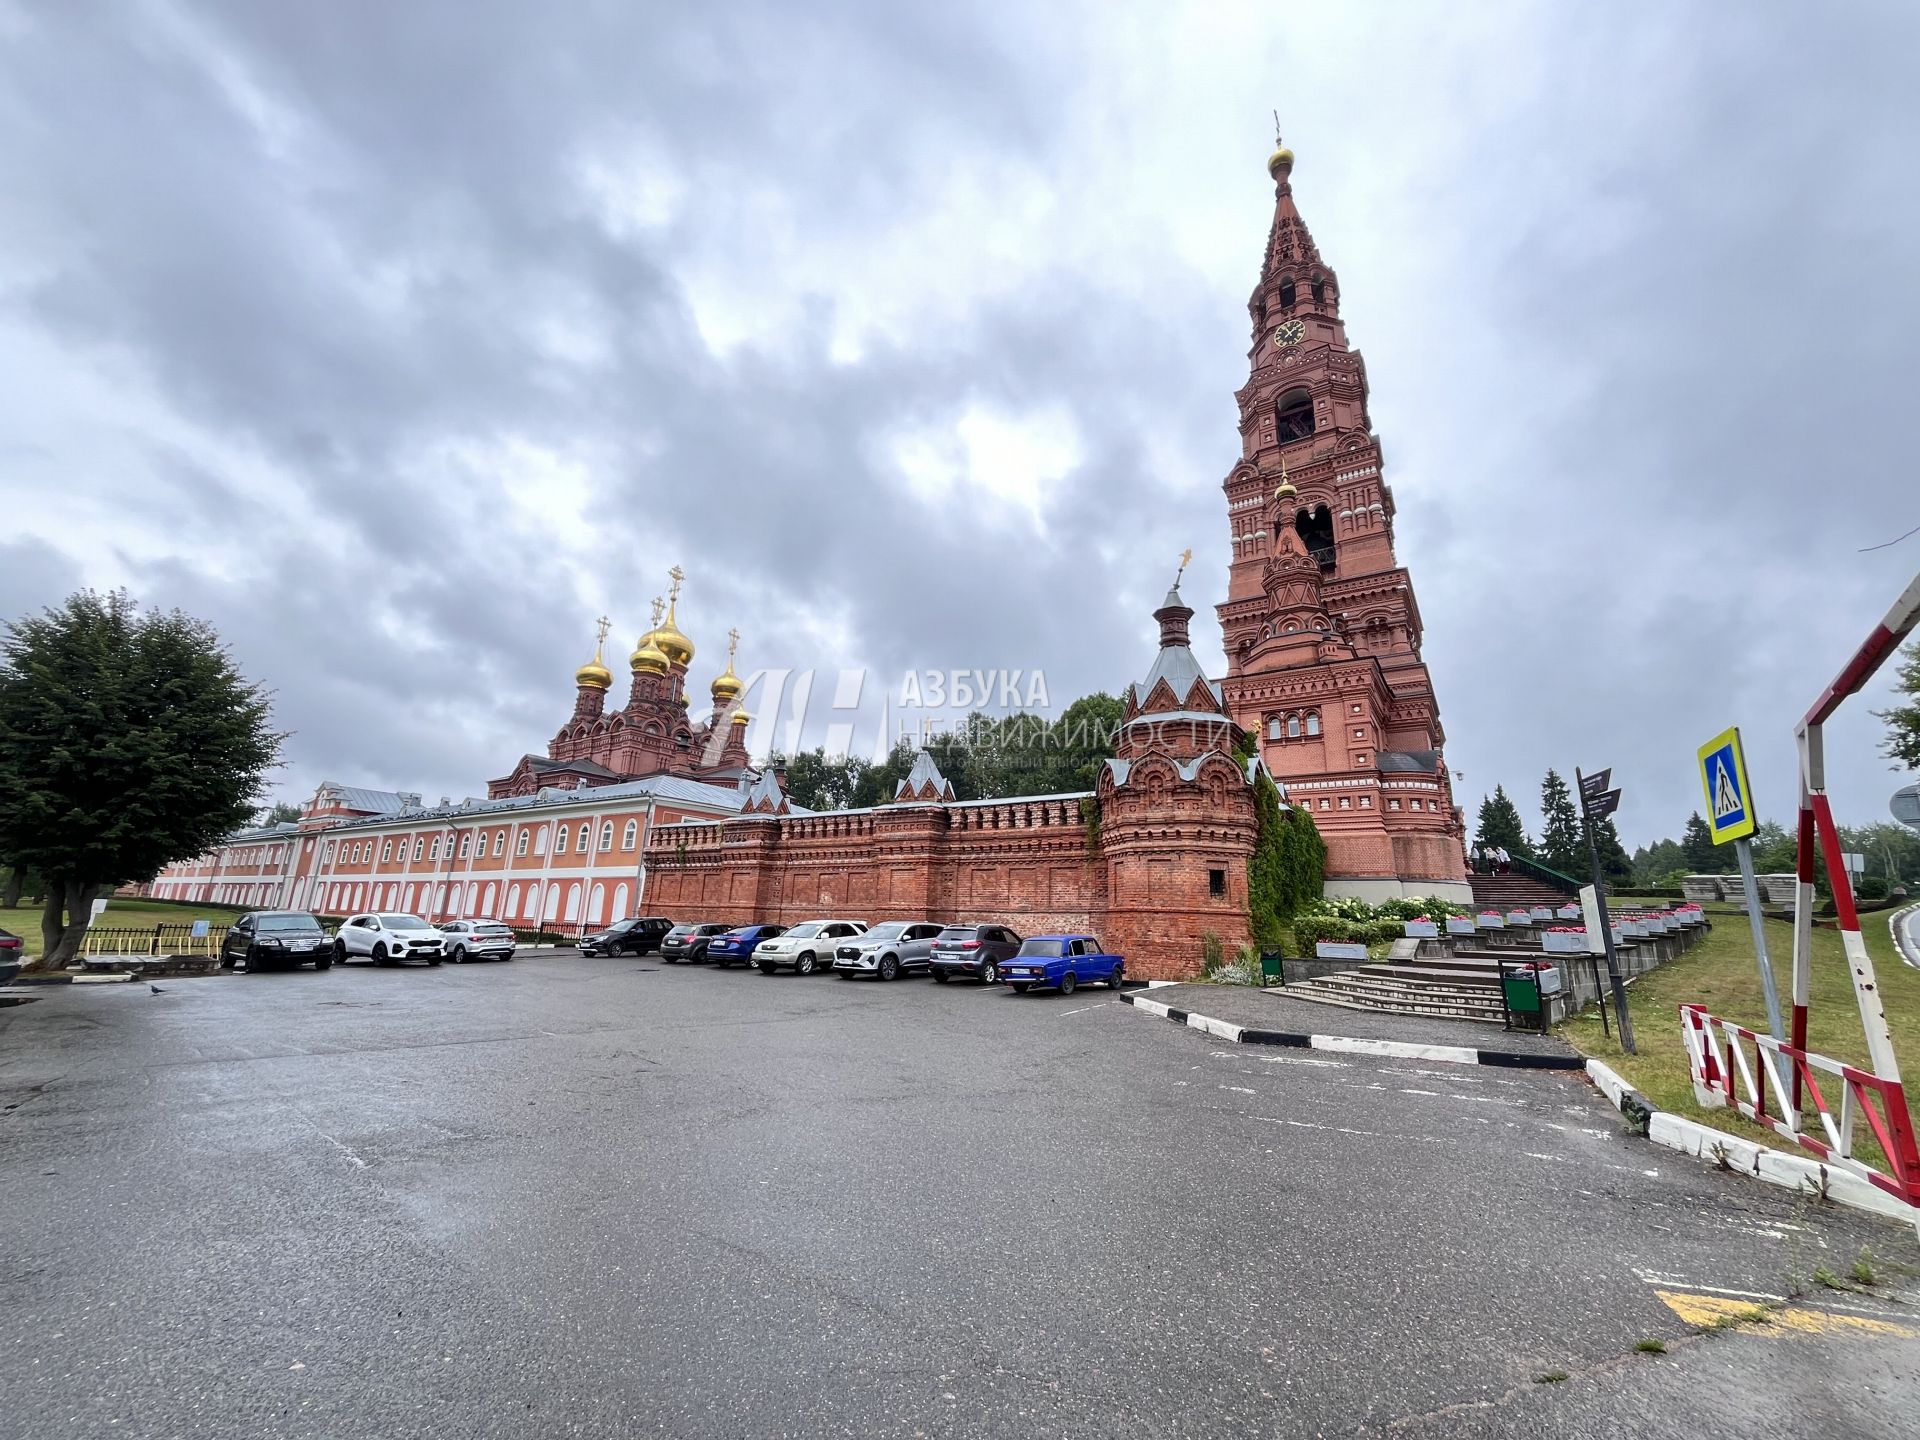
<point>1176,812</point>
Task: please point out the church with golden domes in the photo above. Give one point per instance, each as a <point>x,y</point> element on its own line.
<point>655,732</point>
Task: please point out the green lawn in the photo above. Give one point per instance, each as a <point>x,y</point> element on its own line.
<point>24,919</point>
<point>1721,973</point>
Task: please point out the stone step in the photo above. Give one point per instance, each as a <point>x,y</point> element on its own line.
<point>1423,996</point>
<point>1445,1010</point>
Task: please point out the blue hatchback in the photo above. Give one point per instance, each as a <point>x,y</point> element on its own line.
<point>1061,962</point>
<point>738,944</point>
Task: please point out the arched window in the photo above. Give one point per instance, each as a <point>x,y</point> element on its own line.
<point>619,903</point>
<point>386,852</point>
<point>1293,727</point>
<point>1313,722</point>
<point>521,848</point>
<point>1319,290</point>
<point>596,905</point>
<point>553,903</point>
<point>606,836</point>
<point>560,838</point>
<point>627,839</point>
<point>1286,294</point>
<point>1273,728</point>
<point>466,846</point>
<point>486,906</point>
<point>499,843</point>
<point>513,900</point>
<point>1293,414</point>
<point>540,841</point>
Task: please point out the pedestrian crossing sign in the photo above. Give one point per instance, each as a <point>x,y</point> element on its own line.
<point>1723,772</point>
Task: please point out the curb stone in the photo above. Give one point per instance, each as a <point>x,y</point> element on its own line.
<point>70,980</point>
<point>1393,1049</point>
<point>1746,1157</point>
<point>1897,928</point>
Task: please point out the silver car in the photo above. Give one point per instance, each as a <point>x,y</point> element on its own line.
<point>887,950</point>
<point>806,947</point>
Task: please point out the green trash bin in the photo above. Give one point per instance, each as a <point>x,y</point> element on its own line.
<point>1521,991</point>
<point>1272,969</point>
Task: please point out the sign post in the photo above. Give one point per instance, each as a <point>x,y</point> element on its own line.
<point>1596,803</point>
<point>1730,816</point>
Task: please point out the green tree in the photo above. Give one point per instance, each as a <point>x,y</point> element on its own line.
<point>1615,863</point>
<point>127,741</point>
<point>1560,827</point>
<point>819,781</point>
<point>1267,887</point>
<point>1697,850</point>
<point>1657,864</point>
<point>281,812</point>
<point>878,782</point>
<point>1902,744</point>
<point>1500,824</point>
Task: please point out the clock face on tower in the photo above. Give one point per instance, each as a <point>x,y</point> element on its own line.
<point>1286,336</point>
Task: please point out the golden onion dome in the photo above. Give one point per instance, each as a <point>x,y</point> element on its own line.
<point>739,717</point>
<point>1286,491</point>
<point>675,646</point>
<point>593,673</point>
<point>1280,162</point>
<point>727,685</point>
<point>648,656</point>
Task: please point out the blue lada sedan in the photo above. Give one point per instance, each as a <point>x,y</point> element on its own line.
<point>1061,962</point>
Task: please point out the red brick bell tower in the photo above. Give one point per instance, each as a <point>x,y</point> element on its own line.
<point>1320,625</point>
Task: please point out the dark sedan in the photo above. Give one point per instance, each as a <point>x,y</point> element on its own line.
<point>641,936</point>
<point>276,940</point>
<point>689,942</point>
<point>13,954</point>
<point>738,943</point>
<point>974,952</point>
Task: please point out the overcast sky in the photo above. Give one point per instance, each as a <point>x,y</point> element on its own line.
<point>401,341</point>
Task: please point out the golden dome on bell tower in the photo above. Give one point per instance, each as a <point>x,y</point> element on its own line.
<point>727,685</point>
<point>668,638</point>
<point>595,672</point>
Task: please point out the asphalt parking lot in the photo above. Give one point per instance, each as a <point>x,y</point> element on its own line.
<point>603,1197</point>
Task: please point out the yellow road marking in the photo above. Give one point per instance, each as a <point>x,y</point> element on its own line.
<point>1709,1310</point>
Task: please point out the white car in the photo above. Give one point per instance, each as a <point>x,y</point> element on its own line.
<point>477,940</point>
<point>807,947</point>
<point>887,950</point>
<point>387,940</point>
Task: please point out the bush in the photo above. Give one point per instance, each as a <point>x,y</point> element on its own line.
<point>1871,887</point>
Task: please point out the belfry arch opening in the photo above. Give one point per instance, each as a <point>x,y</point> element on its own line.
<point>1293,416</point>
<point>1315,529</point>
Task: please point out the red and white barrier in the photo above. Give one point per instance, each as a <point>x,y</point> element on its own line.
<point>1781,1080</point>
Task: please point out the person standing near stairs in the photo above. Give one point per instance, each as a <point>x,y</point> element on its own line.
<point>1501,859</point>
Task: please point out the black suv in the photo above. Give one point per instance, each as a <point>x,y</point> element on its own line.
<point>628,937</point>
<point>276,940</point>
<point>689,942</point>
<point>975,951</point>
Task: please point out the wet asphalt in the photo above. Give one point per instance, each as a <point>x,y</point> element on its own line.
<point>603,1197</point>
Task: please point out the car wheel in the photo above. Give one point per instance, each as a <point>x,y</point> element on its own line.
<point>459,954</point>
<point>1119,973</point>
<point>1067,982</point>
<point>939,977</point>
<point>435,959</point>
<point>804,965</point>
<point>1019,987</point>
<point>255,962</point>
<point>990,973</point>
<point>889,967</point>
<point>323,962</point>
<point>340,951</point>
<point>767,967</point>
<point>380,954</point>
<point>226,961</point>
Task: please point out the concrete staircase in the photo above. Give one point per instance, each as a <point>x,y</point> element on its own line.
<point>1456,989</point>
<point>1514,892</point>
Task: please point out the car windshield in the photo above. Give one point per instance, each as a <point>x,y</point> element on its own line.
<point>402,922</point>
<point>620,927</point>
<point>805,930</point>
<point>742,931</point>
<point>1043,947</point>
<point>956,932</point>
<point>892,930</point>
<point>288,922</point>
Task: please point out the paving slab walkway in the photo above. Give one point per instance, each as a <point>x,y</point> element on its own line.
<point>1274,1009</point>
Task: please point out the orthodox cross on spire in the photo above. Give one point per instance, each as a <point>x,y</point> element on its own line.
<point>1276,128</point>
<point>659,609</point>
<point>733,645</point>
<point>678,576</point>
<point>1186,559</point>
<point>600,629</point>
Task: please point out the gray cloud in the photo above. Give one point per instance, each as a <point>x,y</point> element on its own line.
<point>400,342</point>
